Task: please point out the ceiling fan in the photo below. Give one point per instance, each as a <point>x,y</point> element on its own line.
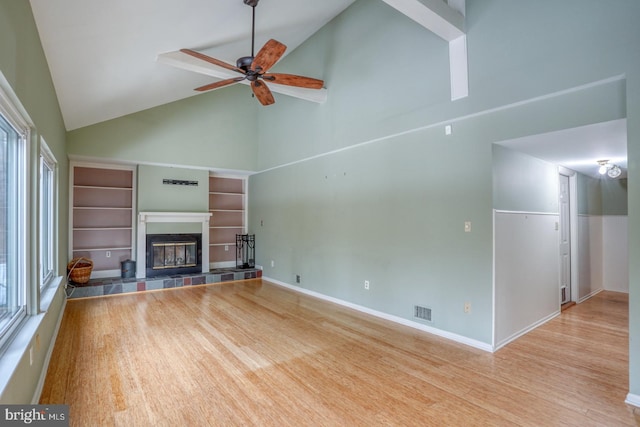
<point>255,68</point>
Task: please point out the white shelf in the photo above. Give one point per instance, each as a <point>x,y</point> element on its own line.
<point>93,208</point>
<point>126,248</point>
<point>97,187</point>
<point>222,192</point>
<point>101,228</point>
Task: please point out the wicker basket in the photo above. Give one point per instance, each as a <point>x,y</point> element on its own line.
<point>80,270</point>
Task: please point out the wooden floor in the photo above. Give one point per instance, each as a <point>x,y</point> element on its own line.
<point>253,353</point>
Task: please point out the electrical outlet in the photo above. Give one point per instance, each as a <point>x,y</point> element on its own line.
<point>447,130</point>
<point>30,355</point>
<point>108,254</point>
<point>226,248</point>
<point>297,278</point>
<point>273,263</point>
<point>467,307</point>
<point>366,284</point>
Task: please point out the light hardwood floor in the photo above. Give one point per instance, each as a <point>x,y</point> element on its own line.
<point>253,353</point>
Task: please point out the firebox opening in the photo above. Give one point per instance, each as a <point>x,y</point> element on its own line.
<point>170,254</point>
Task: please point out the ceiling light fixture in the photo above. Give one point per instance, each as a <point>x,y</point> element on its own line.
<point>603,166</point>
<point>612,171</point>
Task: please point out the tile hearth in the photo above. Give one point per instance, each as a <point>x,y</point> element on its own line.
<point>114,286</point>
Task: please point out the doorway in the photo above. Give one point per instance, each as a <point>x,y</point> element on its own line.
<point>564,230</point>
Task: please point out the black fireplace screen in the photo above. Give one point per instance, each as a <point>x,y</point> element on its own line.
<point>169,254</point>
<point>174,254</point>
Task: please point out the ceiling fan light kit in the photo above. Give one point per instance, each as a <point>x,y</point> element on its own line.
<point>254,68</point>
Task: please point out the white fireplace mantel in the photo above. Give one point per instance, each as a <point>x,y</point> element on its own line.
<point>148,217</point>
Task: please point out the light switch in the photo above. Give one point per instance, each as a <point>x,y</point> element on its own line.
<point>467,226</point>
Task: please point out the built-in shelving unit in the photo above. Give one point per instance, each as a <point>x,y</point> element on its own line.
<point>227,202</point>
<point>102,216</point>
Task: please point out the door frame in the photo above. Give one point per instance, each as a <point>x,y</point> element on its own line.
<point>573,230</point>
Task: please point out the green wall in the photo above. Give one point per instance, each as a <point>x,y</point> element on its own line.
<point>602,196</point>
<point>615,196</point>
<point>215,130</point>
<point>24,72</point>
<point>367,187</point>
<point>154,196</point>
<point>589,195</point>
<point>523,183</point>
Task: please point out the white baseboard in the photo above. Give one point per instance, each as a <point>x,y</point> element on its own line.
<point>429,329</point>
<point>43,374</point>
<point>526,330</point>
<point>592,294</point>
<point>633,399</point>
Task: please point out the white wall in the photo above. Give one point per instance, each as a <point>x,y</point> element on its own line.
<point>589,255</point>
<point>615,255</point>
<point>526,276</point>
<point>603,254</point>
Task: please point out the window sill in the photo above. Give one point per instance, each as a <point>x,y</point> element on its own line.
<point>17,349</point>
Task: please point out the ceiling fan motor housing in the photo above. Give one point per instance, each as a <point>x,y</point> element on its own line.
<point>252,3</point>
<point>244,63</point>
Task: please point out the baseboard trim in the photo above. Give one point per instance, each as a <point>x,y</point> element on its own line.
<point>45,367</point>
<point>431,330</point>
<point>592,294</point>
<point>633,399</point>
<point>526,330</point>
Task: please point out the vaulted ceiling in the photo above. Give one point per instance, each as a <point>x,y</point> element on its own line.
<point>102,54</point>
<point>112,58</point>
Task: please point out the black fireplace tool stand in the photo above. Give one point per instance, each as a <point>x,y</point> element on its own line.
<point>245,250</point>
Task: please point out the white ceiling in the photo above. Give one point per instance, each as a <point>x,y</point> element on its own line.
<point>102,54</point>
<point>578,148</point>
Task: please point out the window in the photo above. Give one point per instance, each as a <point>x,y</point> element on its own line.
<point>12,224</point>
<point>47,215</point>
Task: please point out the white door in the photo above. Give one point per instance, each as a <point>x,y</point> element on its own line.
<point>565,240</point>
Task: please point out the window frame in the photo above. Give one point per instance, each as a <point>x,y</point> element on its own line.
<point>18,269</point>
<point>47,216</point>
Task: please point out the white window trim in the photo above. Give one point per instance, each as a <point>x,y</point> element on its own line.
<point>50,160</point>
<point>22,127</point>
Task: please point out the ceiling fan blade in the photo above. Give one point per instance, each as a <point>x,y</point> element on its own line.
<point>211,60</point>
<point>262,92</point>
<point>293,80</point>
<point>219,84</point>
<point>268,55</point>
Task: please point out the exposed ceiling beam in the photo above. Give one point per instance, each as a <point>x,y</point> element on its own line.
<point>446,20</point>
<point>187,62</point>
<point>435,15</point>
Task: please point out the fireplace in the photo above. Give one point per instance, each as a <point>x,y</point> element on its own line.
<point>145,218</point>
<point>170,254</point>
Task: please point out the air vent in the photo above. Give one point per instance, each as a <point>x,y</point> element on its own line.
<point>423,313</point>
<point>167,181</point>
